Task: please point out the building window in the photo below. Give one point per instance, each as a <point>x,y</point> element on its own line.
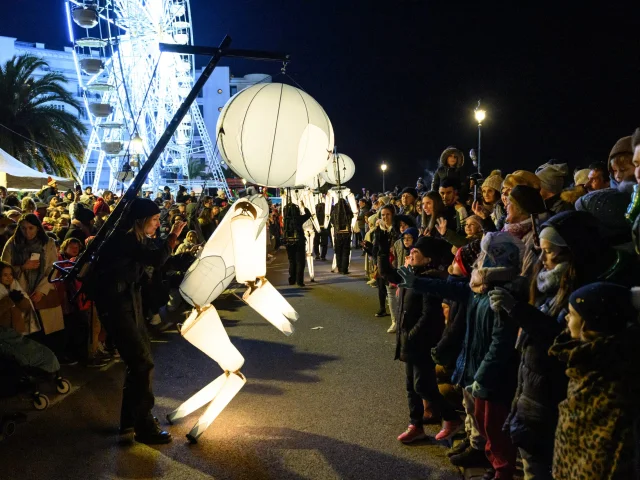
<point>88,178</point>
<point>234,90</point>
<point>59,107</point>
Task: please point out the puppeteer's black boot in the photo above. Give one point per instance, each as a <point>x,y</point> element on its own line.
<point>148,431</point>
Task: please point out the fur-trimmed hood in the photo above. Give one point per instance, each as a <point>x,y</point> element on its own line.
<point>456,153</point>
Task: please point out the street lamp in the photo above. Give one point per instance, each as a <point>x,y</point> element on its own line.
<point>480,116</point>
<point>383,167</point>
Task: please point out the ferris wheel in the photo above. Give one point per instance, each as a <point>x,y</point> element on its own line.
<point>131,91</point>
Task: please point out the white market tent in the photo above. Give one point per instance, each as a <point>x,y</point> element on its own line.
<point>15,174</point>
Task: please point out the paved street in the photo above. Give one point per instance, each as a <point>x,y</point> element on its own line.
<point>322,404</point>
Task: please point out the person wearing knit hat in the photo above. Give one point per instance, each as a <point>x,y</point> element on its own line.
<point>408,198</point>
<point>472,231</point>
<point>488,361</point>
<point>599,350</point>
<point>420,324</point>
<point>602,308</point>
<point>118,271</point>
<point>621,161</point>
<point>552,177</point>
<point>581,177</point>
<point>464,259</point>
<point>608,206</point>
<point>521,177</point>
<point>403,246</point>
<point>82,224</point>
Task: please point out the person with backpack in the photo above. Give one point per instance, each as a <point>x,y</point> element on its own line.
<point>341,216</point>
<point>295,241</point>
<point>321,240</point>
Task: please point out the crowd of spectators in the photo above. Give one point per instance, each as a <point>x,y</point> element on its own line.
<point>511,297</point>
<point>513,303</point>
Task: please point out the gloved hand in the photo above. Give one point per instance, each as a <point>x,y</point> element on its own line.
<point>501,299</point>
<point>408,277</point>
<point>16,296</point>
<point>478,391</point>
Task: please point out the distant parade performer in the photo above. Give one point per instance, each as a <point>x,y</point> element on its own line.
<point>295,241</point>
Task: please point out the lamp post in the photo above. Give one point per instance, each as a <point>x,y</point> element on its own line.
<point>480,116</point>
<point>383,167</point>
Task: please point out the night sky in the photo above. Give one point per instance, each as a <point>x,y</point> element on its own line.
<point>400,80</point>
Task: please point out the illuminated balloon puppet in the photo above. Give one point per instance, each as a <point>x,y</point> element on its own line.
<point>272,135</point>
<point>338,172</point>
<point>309,199</point>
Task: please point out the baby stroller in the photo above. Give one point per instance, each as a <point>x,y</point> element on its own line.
<point>25,364</point>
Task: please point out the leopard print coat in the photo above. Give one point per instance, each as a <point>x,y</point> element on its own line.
<point>595,438</point>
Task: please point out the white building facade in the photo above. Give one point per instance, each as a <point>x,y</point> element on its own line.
<point>216,92</point>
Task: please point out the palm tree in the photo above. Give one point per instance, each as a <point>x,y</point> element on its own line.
<point>33,128</point>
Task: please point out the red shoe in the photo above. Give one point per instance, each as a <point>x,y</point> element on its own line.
<point>449,429</point>
<point>412,434</point>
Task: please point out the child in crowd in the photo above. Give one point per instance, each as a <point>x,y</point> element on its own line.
<point>14,344</point>
<point>597,427</point>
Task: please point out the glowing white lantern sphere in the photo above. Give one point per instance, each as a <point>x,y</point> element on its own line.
<point>341,167</point>
<point>274,135</point>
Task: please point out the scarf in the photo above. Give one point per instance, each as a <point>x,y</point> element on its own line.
<point>548,281</point>
<point>21,253</point>
<point>518,230</point>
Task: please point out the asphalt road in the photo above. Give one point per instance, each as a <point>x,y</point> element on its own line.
<point>325,403</point>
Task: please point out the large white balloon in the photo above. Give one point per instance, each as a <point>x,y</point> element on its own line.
<point>341,167</point>
<point>275,135</point>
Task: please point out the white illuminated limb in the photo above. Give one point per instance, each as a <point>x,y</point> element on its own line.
<point>204,330</point>
<point>334,264</point>
<point>272,306</point>
<point>310,234</point>
<point>231,387</point>
<point>199,399</point>
<point>243,239</point>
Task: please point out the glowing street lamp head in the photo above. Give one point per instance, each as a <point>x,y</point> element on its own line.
<point>383,167</point>
<point>480,115</point>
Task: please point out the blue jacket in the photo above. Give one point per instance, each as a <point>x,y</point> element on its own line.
<point>488,353</point>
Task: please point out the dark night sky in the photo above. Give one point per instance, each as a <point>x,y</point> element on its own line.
<point>400,81</point>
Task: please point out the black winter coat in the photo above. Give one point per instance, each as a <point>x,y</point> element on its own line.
<point>542,384</point>
<point>448,349</point>
<point>419,317</point>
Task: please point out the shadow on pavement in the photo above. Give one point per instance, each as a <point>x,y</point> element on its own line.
<point>283,453</point>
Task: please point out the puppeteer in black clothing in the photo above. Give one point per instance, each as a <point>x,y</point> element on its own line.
<point>117,294</point>
<point>295,241</point>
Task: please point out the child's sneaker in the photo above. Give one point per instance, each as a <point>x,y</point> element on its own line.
<point>449,429</point>
<point>412,434</point>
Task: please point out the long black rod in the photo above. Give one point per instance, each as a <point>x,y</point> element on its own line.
<point>226,52</point>
<point>119,213</point>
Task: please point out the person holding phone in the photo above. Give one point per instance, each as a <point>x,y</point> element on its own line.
<point>117,293</point>
<point>31,253</point>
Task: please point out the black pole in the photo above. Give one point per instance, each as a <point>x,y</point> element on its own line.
<point>121,210</point>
